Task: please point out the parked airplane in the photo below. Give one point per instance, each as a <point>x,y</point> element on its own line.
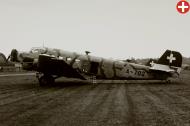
<point>54,63</point>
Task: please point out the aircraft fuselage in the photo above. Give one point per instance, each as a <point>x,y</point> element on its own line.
<point>54,63</point>
<point>103,68</point>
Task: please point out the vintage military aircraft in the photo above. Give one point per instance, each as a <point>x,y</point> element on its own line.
<point>54,63</point>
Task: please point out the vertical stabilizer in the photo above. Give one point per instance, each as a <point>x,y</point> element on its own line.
<point>171,58</point>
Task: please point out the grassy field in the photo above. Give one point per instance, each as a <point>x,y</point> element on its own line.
<point>74,102</point>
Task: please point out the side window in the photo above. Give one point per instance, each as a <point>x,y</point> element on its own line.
<point>68,59</point>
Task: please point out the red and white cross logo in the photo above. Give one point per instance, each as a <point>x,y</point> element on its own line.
<point>182,6</point>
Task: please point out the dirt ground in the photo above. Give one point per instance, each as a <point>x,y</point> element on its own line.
<point>70,102</point>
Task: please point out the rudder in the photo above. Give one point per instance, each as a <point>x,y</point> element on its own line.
<point>171,58</point>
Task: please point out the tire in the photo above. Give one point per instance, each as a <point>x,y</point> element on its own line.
<point>46,80</point>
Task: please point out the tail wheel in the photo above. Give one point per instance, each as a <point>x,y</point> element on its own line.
<point>46,80</point>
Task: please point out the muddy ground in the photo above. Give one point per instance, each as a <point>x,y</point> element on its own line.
<point>77,103</point>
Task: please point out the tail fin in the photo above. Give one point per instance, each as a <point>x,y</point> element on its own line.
<point>171,58</point>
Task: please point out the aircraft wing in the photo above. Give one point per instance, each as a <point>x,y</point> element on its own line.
<point>53,66</point>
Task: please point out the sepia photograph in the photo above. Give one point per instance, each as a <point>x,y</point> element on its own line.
<point>94,63</point>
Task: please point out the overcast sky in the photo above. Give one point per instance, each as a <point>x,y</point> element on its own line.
<point>108,28</point>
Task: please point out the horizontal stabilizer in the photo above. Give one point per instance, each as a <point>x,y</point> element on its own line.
<point>161,67</point>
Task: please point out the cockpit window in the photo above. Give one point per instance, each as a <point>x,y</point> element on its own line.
<point>77,60</point>
<point>38,50</point>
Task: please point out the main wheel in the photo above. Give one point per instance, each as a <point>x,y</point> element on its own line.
<point>46,80</point>
<point>168,81</point>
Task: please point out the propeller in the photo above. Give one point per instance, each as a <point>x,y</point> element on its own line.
<point>2,58</point>
<point>14,55</point>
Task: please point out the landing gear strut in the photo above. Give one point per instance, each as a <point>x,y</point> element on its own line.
<point>45,79</point>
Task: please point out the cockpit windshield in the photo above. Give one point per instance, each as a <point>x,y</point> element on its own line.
<point>39,50</point>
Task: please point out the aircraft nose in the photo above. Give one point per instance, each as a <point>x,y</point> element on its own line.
<point>14,55</point>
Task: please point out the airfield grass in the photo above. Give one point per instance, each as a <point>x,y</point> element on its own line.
<point>75,102</point>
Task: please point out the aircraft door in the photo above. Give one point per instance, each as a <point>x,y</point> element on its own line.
<point>90,67</point>
<point>85,66</point>
<point>94,67</point>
